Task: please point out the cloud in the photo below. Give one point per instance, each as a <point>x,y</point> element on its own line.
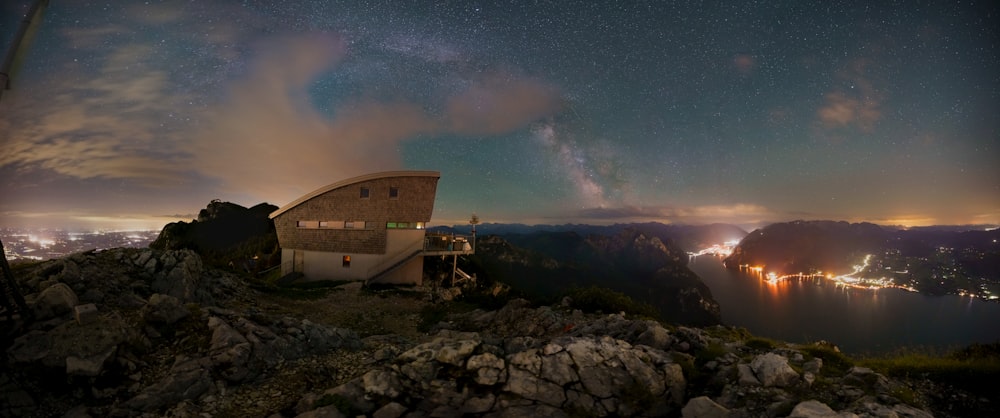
<point>500,103</point>
<point>858,105</point>
<point>267,136</point>
<point>742,213</point>
<point>841,110</point>
<point>744,63</point>
<point>104,124</point>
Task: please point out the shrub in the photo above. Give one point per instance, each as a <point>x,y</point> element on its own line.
<point>600,299</point>
<point>760,343</point>
<point>958,369</point>
<point>713,351</point>
<point>835,363</point>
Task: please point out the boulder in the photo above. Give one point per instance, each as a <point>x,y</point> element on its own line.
<point>90,365</point>
<point>381,383</point>
<point>183,280</point>
<point>187,381</point>
<point>746,376</point>
<point>489,369</point>
<point>817,409</point>
<point>655,336</point>
<point>390,410</point>
<point>89,345</point>
<point>773,370</point>
<point>164,309</point>
<point>55,300</point>
<point>704,407</point>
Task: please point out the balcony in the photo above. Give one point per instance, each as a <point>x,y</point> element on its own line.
<point>448,244</point>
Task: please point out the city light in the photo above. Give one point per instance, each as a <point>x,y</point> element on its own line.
<point>862,275</point>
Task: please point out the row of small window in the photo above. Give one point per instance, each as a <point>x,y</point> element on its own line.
<point>335,224</point>
<point>367,192</point>
<point>356,225</point>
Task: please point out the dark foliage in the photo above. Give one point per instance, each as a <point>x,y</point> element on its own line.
<point>545,266</point>
<point>227,235</point>
<point>600,299</point>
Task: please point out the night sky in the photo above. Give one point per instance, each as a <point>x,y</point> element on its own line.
<point>133,114</point>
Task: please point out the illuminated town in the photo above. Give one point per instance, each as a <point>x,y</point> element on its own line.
<point>888,270</point>
<point>25,244</point>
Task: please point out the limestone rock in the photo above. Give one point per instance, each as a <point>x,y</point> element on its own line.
<point>746,376</point>
<point>817,409</point>
<point>704,407</point>
<point>90,365</point>
<point>184,382</point>
<point>381,383</point>
<point>390,410</point>
<point>164,309</point>
<point>488,367</point>
<point>773,370</point>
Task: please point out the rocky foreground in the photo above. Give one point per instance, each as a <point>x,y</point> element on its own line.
<point>129,332</point>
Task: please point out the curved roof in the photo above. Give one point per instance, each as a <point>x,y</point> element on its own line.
<point>350,181</point>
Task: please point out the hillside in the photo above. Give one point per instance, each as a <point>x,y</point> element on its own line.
<point>129,332</point>
<point>545,265</point>
<point>932,261</point>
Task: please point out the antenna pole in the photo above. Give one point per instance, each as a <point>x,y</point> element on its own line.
<point>28,24</point>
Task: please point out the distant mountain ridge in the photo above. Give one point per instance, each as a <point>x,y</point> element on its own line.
<point>688,237</point>
<point>547,264</point>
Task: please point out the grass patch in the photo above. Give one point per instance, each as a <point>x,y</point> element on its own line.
<point>711,352</point>
<point>728,333</point>
<point>761,343</point>
<point>312,290</point>
<point>973,368</point>
<point>433,313</point>
<point>835,363</point>
<point>600,299</point>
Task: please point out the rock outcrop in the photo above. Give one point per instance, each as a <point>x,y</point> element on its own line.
<point>153,335</point>
<point>167,336</point>
<point>459,373</point>
<point>226,233</point>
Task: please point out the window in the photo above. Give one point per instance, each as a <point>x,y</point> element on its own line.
<point>307,224</point>
<point>348,224</point>
<point>365,192</point>
<point>347,261</point>
<point>405,225</point>
<point>324,224</point>
<point>394,192</point>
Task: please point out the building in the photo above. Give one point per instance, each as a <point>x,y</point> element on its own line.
<point>369,228</point>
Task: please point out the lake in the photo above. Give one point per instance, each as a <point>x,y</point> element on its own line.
<point>859,321</point>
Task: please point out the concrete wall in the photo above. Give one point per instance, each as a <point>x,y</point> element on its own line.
<point>322,265</point>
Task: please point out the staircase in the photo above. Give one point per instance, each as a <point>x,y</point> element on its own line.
<point>395,265</point>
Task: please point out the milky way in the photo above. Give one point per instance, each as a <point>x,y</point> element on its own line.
<point>534,112</point>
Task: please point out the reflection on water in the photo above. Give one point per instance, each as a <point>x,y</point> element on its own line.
<point>857,320</point>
